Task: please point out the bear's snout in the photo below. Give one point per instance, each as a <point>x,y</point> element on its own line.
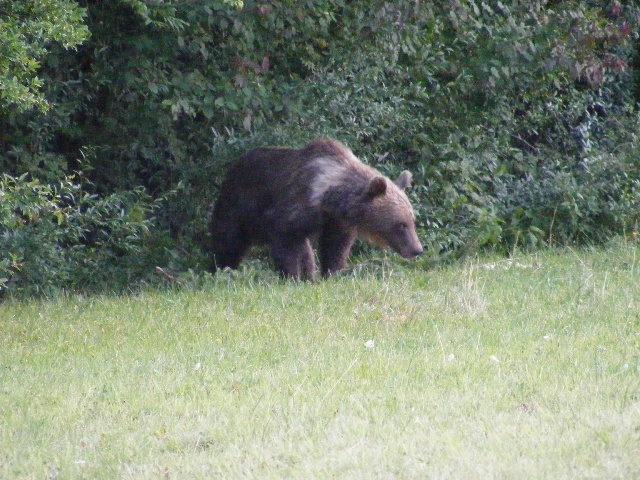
<point>413,253</point>
<point>408,244</point>
<point>405,242</point>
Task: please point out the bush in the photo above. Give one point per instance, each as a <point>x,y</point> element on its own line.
<point>514,116</point>
<point>589,201</point>
<point>64,238</point>
<point>512,138</point>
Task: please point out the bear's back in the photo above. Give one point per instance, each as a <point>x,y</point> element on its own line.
<point>290,172</point>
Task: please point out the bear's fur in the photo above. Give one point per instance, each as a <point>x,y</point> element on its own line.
<point>284,197</point>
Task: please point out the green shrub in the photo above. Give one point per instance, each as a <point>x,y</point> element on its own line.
<point>64,238</point>
<point>482,100</point>
<point>512,134</point>
<point>585,204</point>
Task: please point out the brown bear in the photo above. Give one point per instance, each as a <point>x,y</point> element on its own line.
<point>284,197</point>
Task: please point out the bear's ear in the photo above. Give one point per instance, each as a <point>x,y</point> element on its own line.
<point>404,180</point>
<point>377,186</point>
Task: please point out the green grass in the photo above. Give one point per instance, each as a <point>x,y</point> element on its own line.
<point>520,368</point>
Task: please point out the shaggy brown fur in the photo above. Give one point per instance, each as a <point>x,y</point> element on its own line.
<point>284,197</point>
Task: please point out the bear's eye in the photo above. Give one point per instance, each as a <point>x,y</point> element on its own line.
<point>402,226</point>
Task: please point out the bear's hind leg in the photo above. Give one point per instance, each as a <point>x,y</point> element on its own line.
<point>293,258</point>
<point>228,258</point>
<point>228,246</point>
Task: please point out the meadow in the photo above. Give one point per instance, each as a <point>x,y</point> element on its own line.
<point>506,368</point>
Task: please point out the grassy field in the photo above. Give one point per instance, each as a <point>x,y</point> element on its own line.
<point>496,368</point>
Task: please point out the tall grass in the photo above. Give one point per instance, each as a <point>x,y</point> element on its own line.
<point>499,368</point>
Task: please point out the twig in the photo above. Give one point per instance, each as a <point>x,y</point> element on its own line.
<point>167,276</point>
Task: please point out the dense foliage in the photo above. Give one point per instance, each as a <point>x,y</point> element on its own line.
<point>518,119</point>
<point>26,28</point>
<point>63,236</point>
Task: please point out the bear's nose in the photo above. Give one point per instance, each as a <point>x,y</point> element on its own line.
<point>413,253</point>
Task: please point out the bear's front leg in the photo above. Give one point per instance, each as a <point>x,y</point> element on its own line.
<point>294,258</point>
<point>308,262</point>
<point>335,242</point>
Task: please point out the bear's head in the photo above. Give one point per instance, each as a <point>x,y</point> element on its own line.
<point>386,216</point>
